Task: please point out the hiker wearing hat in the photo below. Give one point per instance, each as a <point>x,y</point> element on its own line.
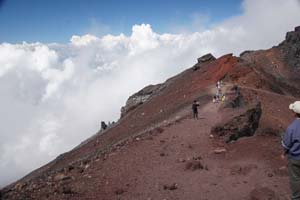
<point>291,144</point>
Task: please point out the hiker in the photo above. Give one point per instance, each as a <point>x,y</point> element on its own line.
<point>103,125</point>
<point>237,90</point>
<point>195,109</point>
<point>223,98</point>
<point>218,85</point>
<point>215,99</point>
<point>291,144</point>
<point>217,96</point>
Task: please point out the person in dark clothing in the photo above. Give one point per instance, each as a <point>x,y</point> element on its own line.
<point>237,90</point>
<point>291,145</point>
<point>195,109</point>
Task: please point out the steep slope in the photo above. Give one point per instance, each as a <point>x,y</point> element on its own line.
<point>156,151</point>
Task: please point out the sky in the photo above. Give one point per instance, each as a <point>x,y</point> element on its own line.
<point>57,20</point>
<point>67,65</point>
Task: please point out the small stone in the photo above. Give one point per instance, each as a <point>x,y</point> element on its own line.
<point>197,158</point>
<point>193,165</point>
<point>219,150</point>
<point>61,177</point>
<point>119,191</point>
<point>19,186</point>
<point>70,168</point>
<point>283,168</point>
<point>162,154</point>
<point>173,186</point>
<point>67,190</point>
<point>82,170</point>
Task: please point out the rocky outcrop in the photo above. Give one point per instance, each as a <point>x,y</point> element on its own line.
<point>140,97</point>
<point>245,53</point>
<point>204,59</point>
<point>291,48</point>
<point>243,125</point>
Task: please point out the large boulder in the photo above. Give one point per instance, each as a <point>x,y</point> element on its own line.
<point>204,59</point>
<point>140,97</point>
<point>242,125</point>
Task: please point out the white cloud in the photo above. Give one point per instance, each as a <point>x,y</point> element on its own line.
<point>83,40</point>
<point>54,96</point>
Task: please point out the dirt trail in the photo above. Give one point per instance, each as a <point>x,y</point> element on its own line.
<point>165,166</point>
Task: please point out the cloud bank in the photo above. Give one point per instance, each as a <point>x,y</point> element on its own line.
<point>53,96</point>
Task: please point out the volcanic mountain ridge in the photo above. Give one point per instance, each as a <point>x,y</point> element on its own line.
<point>158,151</point>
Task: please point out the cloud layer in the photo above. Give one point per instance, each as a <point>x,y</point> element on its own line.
<point>53,96</point>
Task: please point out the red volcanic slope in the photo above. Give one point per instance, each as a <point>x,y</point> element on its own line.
<point>156,151</point>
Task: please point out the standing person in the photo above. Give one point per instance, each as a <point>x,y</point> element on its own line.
<point>217,96</point>
<point>195,109</point>
<point>215,99</point>
<point>219,91</point>
<point>223,98</point>
<point>291,144</point>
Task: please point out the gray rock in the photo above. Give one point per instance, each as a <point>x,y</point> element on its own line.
<point>140,97</point>
<point>206,58</point>
<point>243,125</point>
<point>203,59</point>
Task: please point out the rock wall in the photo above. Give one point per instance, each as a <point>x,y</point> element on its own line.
<point>291,48</point>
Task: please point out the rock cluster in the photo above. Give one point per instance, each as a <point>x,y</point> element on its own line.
<point>242,125</point>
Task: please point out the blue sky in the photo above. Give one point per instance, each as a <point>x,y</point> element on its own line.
<point>57,20</point>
